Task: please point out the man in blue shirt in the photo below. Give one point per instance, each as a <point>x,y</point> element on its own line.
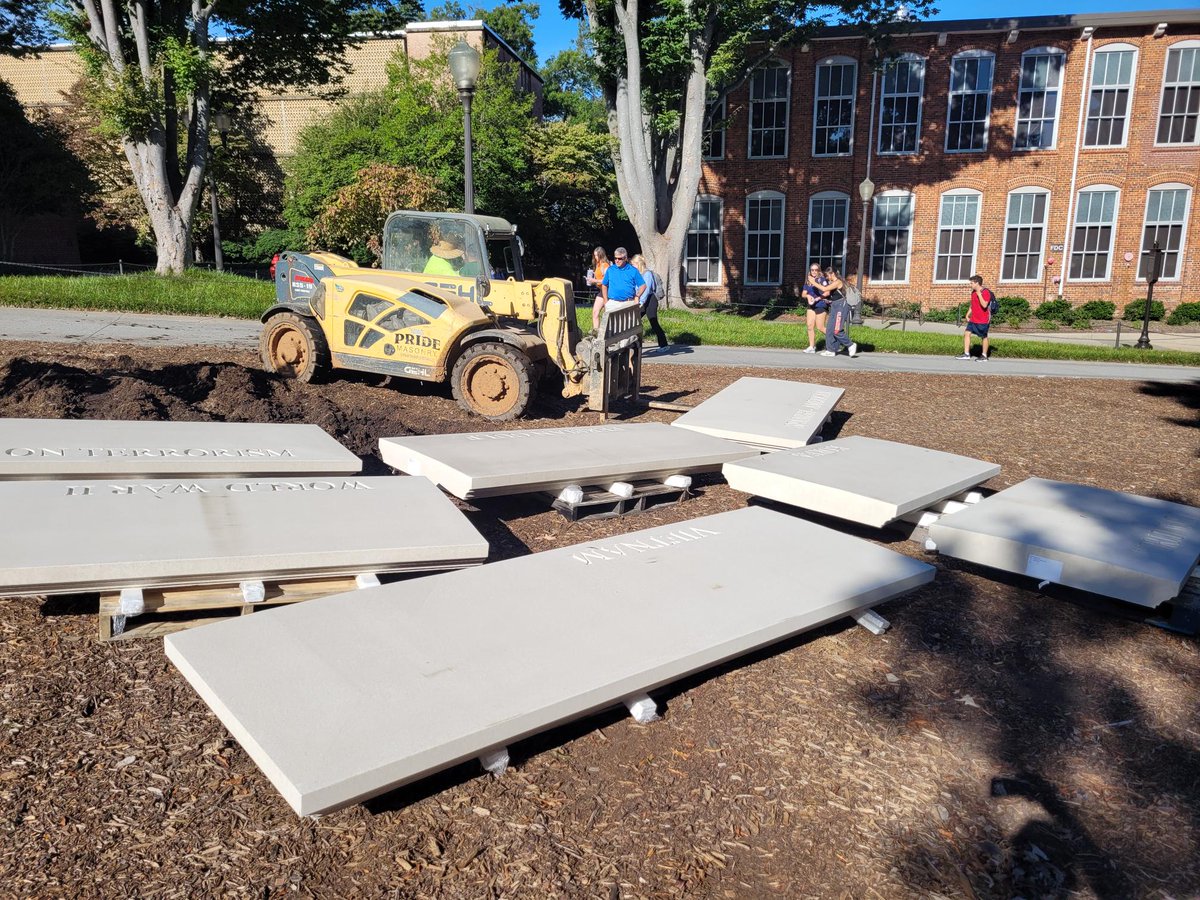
<point>621,282</point>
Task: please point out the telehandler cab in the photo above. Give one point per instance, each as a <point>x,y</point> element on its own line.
<point>450,303</point>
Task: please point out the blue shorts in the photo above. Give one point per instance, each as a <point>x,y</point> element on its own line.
<point>977,329</point>
<point>820,306</point>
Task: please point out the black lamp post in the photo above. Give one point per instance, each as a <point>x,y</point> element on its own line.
<point>222,122</point>
<point>464,67</point>
<point>1156,255</point>
<point>866,190</point>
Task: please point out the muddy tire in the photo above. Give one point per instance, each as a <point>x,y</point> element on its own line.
<point>493,380</point>
<point>293,346</point>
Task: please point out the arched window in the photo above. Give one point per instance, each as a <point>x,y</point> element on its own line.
<point>1025,234</point>
<point>764,238</point>
<point>1180,107</point>
<point>1113,69</point>
<point>970,101</point>
<point>891,236</point>
<point>828,215</point>
<point>1038,99</point>
<point>1095,230</point>
<point>770,89</point>
<point>1166,222</point>
<point>901,97</point>
<point>958,235</point>
<point>702,253</point>
<point>833,106</point>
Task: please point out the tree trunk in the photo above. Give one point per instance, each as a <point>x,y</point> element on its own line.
<point>657,175</point>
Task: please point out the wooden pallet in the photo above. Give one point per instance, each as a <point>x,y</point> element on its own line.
<point>169,610</point>
<point>601,504</point>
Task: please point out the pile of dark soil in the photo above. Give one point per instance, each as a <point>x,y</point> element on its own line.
<point>996,742</point>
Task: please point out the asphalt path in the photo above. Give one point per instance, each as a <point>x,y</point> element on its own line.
<point>71,326</point>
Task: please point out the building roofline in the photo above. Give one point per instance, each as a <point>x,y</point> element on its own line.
<point>1030,23</point>
<point>471,25</point>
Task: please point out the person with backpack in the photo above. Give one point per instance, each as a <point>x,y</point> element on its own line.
<point>979,319</point>
<point>649,299</point>
<point>837,333</point>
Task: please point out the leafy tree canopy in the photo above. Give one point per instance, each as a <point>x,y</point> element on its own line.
<point>572,85</point>
<point>21,26</point>
<point>555,184</point>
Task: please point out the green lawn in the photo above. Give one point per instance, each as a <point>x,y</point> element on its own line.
<point>212,294</point>
<point>195,293</point>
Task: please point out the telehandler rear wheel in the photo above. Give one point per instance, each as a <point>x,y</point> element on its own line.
<point>294,346</point>
<point>493,380</point>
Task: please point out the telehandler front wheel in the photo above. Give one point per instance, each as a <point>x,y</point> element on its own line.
<point>493,380</point>
<point>294,346</point>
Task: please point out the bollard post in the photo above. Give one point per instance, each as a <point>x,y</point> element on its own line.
<point>121,266</point>
<point>1117,345</point>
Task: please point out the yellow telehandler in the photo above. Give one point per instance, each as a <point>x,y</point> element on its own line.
<point>450,303</point>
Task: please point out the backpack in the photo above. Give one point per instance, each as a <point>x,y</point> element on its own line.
<point>993,304</point>
<point>652,285</point>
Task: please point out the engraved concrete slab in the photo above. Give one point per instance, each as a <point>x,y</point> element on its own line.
<point>767,413</point>
<point>494,463</point>
<point>80,448</point>
<point>346,697</point>
<point>1136,549</point>
<point>861,479</point>
<point>89,535</point>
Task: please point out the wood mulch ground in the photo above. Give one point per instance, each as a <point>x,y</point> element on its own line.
<point>996,742</point>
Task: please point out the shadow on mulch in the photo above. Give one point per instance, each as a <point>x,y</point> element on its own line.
<point>1186,395</point>
<point>1041,715</point>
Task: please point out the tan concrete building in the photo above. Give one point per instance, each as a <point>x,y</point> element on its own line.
<point>40,80</point>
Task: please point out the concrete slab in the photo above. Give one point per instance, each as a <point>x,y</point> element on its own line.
<point>494,463</point>
<point>92,535</point>
<point>343,698</point>
<point>861,479</point>
<point>766,413</point>
<point>1136,549</point>
<point>81,448</point>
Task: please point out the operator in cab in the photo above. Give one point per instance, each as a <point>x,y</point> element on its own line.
<point>621,282</point>
<point>443,257</point>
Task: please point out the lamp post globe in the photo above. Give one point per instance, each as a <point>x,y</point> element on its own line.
<point>866,190</point>
<point>464,69</point>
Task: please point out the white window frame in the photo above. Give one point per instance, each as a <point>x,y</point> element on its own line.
<point>1187,210</point>
<point>957,192</point>
<point>823,196</point>
<point>1075,226</point>
<point>830,62</point>
<point>1045,226</point>
<point>987,118</point>
<point>1062,73</point>
<point>906,57</point>
<point>1178,45</point>
<point>787,111</point>
<point>720,232</point>
<point>1133,69</point>
<point>764,195</point>
<point>719,115</point>
<point>912,218</point>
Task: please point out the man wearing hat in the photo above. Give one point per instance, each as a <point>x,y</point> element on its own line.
<point>442,258</point>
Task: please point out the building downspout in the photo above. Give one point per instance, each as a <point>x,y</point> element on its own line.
<point>1083,102</point>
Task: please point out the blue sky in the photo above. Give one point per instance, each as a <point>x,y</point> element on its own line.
<point>553,33</point>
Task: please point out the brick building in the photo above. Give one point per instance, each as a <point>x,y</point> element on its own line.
<point>1044,153</point>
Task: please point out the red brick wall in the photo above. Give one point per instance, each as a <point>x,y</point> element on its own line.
<point>1133,169</point>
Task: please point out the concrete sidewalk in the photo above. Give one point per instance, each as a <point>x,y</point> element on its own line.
<point>71,326</point>
<point>1123,334</point>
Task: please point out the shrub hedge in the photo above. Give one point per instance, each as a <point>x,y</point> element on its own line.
<point>1095,309</point>
<point>1135,309</point>
<point>1185,314</point>
<point>1053,311</point>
